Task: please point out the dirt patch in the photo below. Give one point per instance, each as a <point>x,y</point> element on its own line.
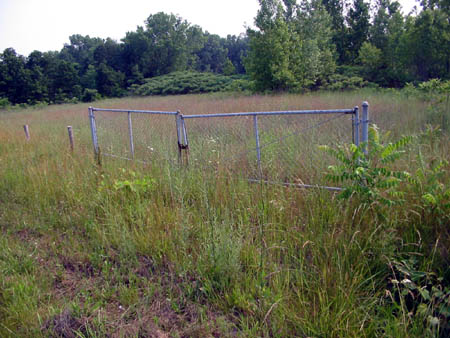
<point>26,235</point>
<point>84,268</point>
<point>146,267</point>
<point>64,325</point>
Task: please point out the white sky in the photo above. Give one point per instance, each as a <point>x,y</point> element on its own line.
<point>43,25</point>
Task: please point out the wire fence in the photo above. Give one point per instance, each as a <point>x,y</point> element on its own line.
<point>279,147</point>
<point>145,136</point>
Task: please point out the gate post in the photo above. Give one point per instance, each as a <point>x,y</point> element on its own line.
<point>258,148</point>
<point>365,126</point>
<point>185,145</point>
<point>130,134</point>
<point>179,122</point>
<point>94,133</point>
<point>355,127</point>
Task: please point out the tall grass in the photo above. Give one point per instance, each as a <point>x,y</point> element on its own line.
<point>126,249</point>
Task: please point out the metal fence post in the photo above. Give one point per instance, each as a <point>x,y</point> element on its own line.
<point>365,126</point>
<point>130,133</point>
<point>185,145</point>
<point>93,131</point>
<point>355,128</point>
<point>185,137</point>
<point>178,125</point>
<point>258,149</point>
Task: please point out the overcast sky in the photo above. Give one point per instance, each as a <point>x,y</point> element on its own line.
<point>43,25</point>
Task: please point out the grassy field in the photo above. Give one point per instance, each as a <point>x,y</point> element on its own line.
<point>159,250</point>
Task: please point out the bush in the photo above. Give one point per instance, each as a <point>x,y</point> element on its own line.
<point>90,95</point>
<point>437,93</point>
<point>4,103</point>
<point>188,83</point>
<point>349,71</point>
<point>418,281</point>
<point>370,177</point>
<point>342,82</point>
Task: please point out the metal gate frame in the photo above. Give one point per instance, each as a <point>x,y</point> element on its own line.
<point>360,128</point>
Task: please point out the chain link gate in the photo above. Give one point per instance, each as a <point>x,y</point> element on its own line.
<point>275,146</point>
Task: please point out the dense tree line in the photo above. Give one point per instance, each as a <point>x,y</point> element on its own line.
<point>296,45</point>
<point>87,67</point>
<point>303,44</point>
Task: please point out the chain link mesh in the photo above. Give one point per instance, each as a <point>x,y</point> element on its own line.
<point>288,144</point>
<point>219,143</point>
<point>154,136</point>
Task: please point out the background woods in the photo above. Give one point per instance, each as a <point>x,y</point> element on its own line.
<point>295,46</point>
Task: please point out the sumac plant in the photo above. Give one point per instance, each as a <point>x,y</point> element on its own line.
<point>371,177</point>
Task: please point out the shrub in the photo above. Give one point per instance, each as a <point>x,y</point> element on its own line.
<point>187,83</point>
<point>90,95</point>
<point>417,285</point>
<point>343,82</point>
<point>370,176</point>
<point>437,93</point>
<point>4,103</point>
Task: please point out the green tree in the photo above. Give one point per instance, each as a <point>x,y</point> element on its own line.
<point>386,12</point>
<point>167,37</point>
<point>110,53</point>
<point>313,25</point>
<point>292,48</point>
<point>137,52</point>
<point>371,60</point>
<point>428,39</point>
<point>340,31</point>
<point>228,68</point>
<point>14,77</point>
<point>64,80</point>
<point>89,78</point>
<point>135,77</point>
<point>109,81</point>
<point>358,23</point>
<point>213,55</point>
<point>80,50</point>
<point>443,5</point>
<point>237,47</point>
<point>268,62</point>
<point>386,34</point>
<point>38,91</point>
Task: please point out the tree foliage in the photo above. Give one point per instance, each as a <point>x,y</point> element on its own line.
<point>291,48</point>
<point>294,46</point>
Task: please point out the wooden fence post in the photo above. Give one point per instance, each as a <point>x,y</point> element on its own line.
<point>69,130</point>
<point>27,131</point>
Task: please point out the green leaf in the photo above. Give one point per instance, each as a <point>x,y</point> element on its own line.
<point>425,294</point>
<point>422,309</point>
<point>429,198</point>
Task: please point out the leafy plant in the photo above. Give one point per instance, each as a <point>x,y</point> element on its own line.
<point>338,82</point>
<point>370,176</point>
<point>134,183</point>
<point>129,181</point>
<point>427,183</point>
<point>437,94</point>
<point>90,95</point>
<point>4,102</point>
<point>420,294</point>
